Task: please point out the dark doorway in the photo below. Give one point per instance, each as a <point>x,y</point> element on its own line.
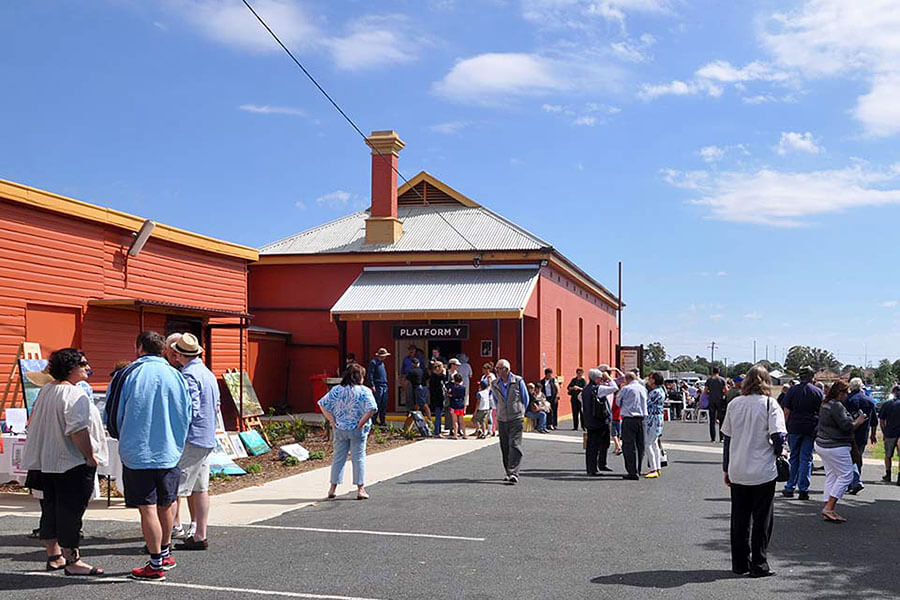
<point>179,324</point>
<point>448,348</point>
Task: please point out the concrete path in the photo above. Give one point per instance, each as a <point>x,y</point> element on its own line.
<point>273,498</point>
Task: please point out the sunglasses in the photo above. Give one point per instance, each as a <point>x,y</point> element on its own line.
<point>83,363</point>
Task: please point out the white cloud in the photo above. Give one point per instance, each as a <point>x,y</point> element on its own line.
<point>712,154</point>
<point>450,127</point>
<point>828,38</point>
<point>265,109</point>
<point>753,316</point>
<point>799,142</point>
<point>581,14</point>
<point>634,50</point>
<point>585,121</point>
<point>758,99</point>
<point>500,77</point>
<point>336,199</point>
<point>300,205</point>
<point>586,115</point>
<point>786,199</point>
<point>375,41</point>
<point>721,273</point>
<point>890,304</point>
<point>711,78</point>
<point>716,317</point>
<point>231,23</point>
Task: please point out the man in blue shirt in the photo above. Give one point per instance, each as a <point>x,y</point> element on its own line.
<point>632,403</point>
<point>377,379</point>
<point>890,428</point>
<point>801,413</point>
<point>201,439</point>
<point>153,415</point>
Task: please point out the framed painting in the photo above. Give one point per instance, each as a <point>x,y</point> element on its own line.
<point>34,376</point>
<point>234,381</point>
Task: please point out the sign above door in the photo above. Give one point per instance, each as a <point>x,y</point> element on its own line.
<point>430,332</point>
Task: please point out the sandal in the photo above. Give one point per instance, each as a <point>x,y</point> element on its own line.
<point>833,518</point>
<point>53,558</point>
<point>94,572</point>
<point>362,496</point>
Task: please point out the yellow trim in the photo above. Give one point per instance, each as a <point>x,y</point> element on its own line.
<point>29,196</point>
<point>423,316</point>
<point>398,257</point>
<point>437,183</point>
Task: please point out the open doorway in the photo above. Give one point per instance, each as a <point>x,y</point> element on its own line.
<point>447,349</point>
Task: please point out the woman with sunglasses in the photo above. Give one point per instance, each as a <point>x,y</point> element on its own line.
<point>65,444</point>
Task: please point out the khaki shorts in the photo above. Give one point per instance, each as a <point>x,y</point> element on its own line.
<point>194,466</point>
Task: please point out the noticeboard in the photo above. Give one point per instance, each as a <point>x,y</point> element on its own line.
<point>631,358</point>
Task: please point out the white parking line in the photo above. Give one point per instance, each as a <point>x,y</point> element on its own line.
<point>367,532</point>
<point>196,586</point>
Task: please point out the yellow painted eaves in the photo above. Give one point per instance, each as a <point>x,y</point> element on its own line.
<point>29,196</point>
<point>436,183</point>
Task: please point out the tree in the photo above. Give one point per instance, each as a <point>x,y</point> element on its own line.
<point>817,358</point>
<point>740,368</point>
<point>654,354</point>
<point>884,374</point>
<point>896,369</point>
<point>683,363</point>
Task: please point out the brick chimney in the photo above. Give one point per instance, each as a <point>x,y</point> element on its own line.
<point>383,226</point>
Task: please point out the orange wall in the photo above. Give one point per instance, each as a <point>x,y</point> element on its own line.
<point>558,292</point>
<point>51,260</point>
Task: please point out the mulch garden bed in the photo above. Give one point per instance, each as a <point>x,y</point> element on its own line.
<point>267,467</point>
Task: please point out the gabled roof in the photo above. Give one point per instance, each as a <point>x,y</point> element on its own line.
<point>453,223</point>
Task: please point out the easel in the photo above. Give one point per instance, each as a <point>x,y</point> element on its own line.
<point>247,423</point>
<point>26,350</point>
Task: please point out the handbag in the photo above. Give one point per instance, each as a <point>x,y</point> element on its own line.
<point>781,463</point>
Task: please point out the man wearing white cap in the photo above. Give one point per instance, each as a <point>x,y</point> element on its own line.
<point>377,379</point>
<point>201,439</point>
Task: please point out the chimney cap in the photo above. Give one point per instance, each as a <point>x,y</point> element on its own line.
<point>385,142</point>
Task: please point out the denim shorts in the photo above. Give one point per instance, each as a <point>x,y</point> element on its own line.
<point>615,428</point>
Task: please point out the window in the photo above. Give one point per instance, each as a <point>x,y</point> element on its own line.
<point>580,342</point>
<point>558,341</point>
<point>598,344</point>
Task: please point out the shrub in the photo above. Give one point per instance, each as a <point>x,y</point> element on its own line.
<point>290,461</point>
<point>379,438</point>
<point>255,468</point>
<point>410,434</point>
<point>317,455</point>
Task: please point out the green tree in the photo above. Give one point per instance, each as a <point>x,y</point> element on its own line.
<point>654,355</point>
<point>740,368</point>
<point>896,369</point>
<point>817,358</point>
<point>884,374</point>
<point>683,363</point>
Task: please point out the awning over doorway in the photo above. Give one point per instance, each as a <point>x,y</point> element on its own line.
<point>165,307</point>
<point>441,292</point>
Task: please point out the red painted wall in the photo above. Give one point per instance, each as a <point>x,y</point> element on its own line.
<point>52,260</point>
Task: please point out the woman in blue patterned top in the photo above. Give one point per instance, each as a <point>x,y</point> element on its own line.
<point>653,422</point>
<point>348,408</point>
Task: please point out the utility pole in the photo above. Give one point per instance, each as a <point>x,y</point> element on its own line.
<point>712,354</point>
<point>754,352</point>
<point>767,353</point>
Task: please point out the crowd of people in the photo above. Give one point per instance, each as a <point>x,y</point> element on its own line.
<point>163,409</point>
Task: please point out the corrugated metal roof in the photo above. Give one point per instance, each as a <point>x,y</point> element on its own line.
<point>464,289</point>
<point>444,228</point>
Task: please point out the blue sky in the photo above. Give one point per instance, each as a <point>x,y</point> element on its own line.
<point>741,159</point>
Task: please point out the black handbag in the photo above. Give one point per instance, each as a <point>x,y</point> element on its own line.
<point>781,463</point>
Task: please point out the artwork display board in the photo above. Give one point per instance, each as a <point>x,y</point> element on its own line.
<point>254,442</point>
<point>33,378</point>
<point>234,382</point>
<point>237,444</point>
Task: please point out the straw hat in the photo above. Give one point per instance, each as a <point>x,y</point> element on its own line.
<point>188,345</point>
<point>382,353</point>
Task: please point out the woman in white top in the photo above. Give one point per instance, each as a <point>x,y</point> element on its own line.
<point>65,444</point>
<point>754,434</point>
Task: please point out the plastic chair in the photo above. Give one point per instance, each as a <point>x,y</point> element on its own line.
<point>701,413</point>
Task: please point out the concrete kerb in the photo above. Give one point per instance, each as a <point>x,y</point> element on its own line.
<point>274,498</point>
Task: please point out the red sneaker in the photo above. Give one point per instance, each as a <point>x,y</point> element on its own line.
<point>168,563</point>
<point>147,572</point>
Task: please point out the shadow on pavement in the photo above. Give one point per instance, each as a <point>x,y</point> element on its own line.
<point>836,561</point>
<point>664,578</point>
<point>14,581</point>
<point>452,481</point>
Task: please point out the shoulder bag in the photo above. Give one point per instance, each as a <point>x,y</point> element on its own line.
<point>781,463</point>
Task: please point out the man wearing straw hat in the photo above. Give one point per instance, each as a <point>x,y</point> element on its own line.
<point>201,439</point>
<point>377,379</point>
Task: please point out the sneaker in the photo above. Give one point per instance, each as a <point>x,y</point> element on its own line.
<point>148,573</point>
<point>168,563</point>
<point>803,495</point>
<point>652,475</point>
<point>787,493</point>
<point>513,479</point>
<point>506,478</point>
<point>178,531</point>
<point>855,490</point>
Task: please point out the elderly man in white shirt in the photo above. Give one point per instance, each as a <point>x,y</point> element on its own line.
<point>632,403</point>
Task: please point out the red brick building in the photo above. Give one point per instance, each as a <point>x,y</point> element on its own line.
<point>426,265</point>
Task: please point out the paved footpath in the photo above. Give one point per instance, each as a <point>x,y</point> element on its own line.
<point>454,530</point>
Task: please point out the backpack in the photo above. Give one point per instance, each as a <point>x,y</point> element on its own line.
<point>599,406</point>
<point>422,425</point>
<point>113,394</point>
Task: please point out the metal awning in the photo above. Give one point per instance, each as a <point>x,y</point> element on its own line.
<point>440,292</point>
<point>166,307</point>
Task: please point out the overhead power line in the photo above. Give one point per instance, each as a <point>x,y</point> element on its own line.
<point>349,120</point>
